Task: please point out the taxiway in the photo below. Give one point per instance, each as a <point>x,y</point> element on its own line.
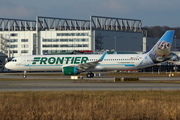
<point>60,83</point>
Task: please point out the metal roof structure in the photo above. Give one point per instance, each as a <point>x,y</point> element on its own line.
<point>64,24</point>
<point>46,23</point>
<point>115,24</point>
<point>7,24</point>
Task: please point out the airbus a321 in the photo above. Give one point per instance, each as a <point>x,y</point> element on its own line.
<point>75,64</point>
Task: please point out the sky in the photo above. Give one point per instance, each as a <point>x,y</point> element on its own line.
<point>150,12</point>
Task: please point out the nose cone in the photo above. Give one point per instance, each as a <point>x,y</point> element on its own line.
<point>7,65</point>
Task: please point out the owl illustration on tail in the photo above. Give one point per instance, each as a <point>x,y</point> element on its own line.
<point>161,50</point>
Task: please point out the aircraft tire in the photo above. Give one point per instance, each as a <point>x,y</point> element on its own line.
<point>92,74</point>
<point>88,75</point>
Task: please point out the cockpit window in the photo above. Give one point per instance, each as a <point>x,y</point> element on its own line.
<point>14,60</point>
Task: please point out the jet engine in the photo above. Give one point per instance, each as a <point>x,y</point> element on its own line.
<point>70,70</point>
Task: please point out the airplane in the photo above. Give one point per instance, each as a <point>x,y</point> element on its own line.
<point>75,64</point>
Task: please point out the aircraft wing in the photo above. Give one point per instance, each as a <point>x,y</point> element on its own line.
<point>88,65</point>
<point>93,64</point>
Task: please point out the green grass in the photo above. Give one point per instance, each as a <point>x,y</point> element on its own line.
<point>91,105</point>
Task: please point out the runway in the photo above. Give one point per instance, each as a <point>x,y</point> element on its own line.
<point>70,85</point>
<point>74,86</point>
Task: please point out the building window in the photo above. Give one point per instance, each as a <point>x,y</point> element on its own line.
<point>64,40</point>
<point>70,40</point>
<point>13,51</point>
<point>13,34</point>
<point>65,45</point>
<point>24,51</point>
<point>72,34</point>
<point>78,34</point>
<point>12,40</point>
<point>55,45</point>
<point>46,46</point>
<point>55,40</point>
<point>83,40</point>
<point>12,46</point>
<point>79,45</point>
<point>25,46</point>
<point>86,34</point>
<point>77,40</point>
<point>50,40</point>
<point>58,34</point>
<point>70,45</point>
<point>44,40</point>
<point>85,45</point>
<point>24,40</point>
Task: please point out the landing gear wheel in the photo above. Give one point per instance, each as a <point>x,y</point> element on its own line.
<point>24,76</point>
<point>90,75</point>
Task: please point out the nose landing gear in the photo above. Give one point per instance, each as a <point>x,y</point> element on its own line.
<point>24,76</point>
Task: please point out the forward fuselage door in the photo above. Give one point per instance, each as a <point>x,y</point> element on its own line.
<point>26,63</point>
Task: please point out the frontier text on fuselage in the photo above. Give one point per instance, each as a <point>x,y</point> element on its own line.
<point>60,60</point>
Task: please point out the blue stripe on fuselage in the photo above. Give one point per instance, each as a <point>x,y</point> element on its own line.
<point>98,65</point>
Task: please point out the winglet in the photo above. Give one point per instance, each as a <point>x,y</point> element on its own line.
<point>103,56</point>
<point>115,52</point>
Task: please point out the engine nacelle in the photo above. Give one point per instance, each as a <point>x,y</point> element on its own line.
<point>70,70</point>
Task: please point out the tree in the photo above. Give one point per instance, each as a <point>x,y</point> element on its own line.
<point>158,31</point>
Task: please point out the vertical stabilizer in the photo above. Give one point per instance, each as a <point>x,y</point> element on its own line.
<point>161,50</point>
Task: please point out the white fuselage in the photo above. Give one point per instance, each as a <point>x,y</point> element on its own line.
<point>56,62</point>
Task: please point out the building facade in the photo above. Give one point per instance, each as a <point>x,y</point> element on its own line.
<point>47,35</point>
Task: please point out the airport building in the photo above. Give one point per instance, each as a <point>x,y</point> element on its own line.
<point>49,35</point>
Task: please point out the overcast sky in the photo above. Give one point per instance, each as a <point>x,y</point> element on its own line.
<point>150,12</point>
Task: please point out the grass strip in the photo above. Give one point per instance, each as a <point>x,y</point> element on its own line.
<point>91,105</point>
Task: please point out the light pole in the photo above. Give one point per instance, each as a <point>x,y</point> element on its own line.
<point>115,43</point>
<point>175,43</point>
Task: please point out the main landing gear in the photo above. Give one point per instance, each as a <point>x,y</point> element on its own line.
<point>90,75</point>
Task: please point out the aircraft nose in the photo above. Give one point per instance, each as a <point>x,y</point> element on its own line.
<point>7,65</point>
